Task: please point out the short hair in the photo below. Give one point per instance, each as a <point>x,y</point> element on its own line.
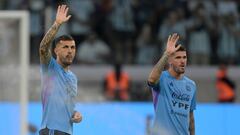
<point>62,37</point>
<point>57,40</point>
<point>181,48</point>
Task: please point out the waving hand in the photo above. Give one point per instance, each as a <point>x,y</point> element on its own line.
<point>62,14</point>
<point>172,40</point>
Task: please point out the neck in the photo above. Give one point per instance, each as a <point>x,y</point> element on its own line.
<point>175,74</point>
<point>65,67</point>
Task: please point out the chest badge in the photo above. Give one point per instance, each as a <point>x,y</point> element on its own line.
<point>188,88</point>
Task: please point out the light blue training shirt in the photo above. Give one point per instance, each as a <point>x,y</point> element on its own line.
<point>59,89</point>
<point>173,100</point>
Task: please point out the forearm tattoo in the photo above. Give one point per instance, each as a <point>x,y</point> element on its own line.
<point>45,45</point>
<point>161,63</point>
<point>158,68</point>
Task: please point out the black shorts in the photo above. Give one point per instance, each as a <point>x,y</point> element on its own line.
<point>47,131</point>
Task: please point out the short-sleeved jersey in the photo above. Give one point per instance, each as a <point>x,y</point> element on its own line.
<point>59,89</point>
<point>173,100</point>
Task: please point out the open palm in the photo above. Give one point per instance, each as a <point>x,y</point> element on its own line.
<point>62,16</point>
<point>172,40</point>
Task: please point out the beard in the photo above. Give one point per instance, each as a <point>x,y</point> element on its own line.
<point>67,61</point>
<point>179,70</point>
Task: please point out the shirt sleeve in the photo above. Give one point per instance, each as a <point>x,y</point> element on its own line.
<point>46,67</point>
<point>193,102</point>
<point>154,87</point>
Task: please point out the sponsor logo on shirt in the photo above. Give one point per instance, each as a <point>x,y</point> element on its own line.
<point>180,105</point>
<point>177,113</point>
<point>180,96</point>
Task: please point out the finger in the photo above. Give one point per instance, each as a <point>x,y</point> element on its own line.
<point>72,119</point>
<point>78,118</point>
<point>80,115</point>
<point>178,46</point>
<point>58,10</point>
<point>59,7</point>
<point>75,120</point>
<point>174,41</point>
<point>66,10</point>
<point>174,37</point>
<point>63,8</point>
<point>69,16</point>
<point>169,38</point>
<point>77,115</point>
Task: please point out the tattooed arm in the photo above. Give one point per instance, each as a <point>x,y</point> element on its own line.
<point>45,45</point>
<point>159,67</point>
<point>191,124</point>
<point>191,116</point>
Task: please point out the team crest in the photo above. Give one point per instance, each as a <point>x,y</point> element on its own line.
<point>188,88</point>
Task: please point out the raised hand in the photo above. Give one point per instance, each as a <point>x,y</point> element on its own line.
<point>172,40</point>
<point>45,45</point>
<point>62,16</point>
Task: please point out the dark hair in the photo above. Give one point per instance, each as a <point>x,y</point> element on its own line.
<point>63,37</point>
<point>181,48</point>
<point>57,40</point>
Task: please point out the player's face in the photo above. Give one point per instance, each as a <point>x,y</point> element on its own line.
<point>65,51</point>
<point>179,61</point>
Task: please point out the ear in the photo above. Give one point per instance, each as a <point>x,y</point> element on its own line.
<point>55,50</point>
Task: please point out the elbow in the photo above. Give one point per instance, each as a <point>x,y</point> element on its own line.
<point>152,80</point>
<point>41,47</point>
<point>41,50</point>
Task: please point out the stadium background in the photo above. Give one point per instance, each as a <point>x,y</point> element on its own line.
<point>132,32</point>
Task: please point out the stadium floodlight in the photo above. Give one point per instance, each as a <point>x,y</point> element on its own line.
<point>23,21</point>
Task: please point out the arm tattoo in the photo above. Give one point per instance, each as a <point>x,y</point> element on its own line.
<point>45,45</point>
<point>192,125</point>
<point>157,69</point>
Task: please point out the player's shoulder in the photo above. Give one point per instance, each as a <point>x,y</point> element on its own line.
<point>49,65</point>
<point>52,62</point>
<point>165,73</point>
<point>73,75</point>
<point>190,84</point>
<point>190,81</point>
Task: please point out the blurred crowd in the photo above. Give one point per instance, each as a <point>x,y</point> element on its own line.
<point>135,31</point>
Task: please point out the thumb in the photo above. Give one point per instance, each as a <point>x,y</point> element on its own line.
<point>68,17</point>
<point>178,46</point>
